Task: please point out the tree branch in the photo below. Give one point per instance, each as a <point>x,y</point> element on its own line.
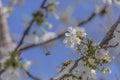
<point>29,27</point>
<point>43,4</point>
<point>105,40</point>
<point>67,70</point>
<point>70,75</point>
<point>5,38</point>
<point>31,76</point>
<point>92,16</point>
<point>59,35</point>
<point>24,34</point>
<point>111,46</point>
<point>109,34</point>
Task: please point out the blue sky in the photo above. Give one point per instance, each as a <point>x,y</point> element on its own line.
<point>45,67</point>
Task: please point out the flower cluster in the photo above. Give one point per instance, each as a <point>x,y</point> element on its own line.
<point>11,74</point>
<point>93,57</point>
<point>74,37</point>
<point>84,72</point>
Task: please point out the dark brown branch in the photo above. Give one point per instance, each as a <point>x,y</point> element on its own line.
<point>111,46</point>
<point>24,34</point>
<point>31,76</point>
<point>43,4</point>
<point>110,33</point>
<point>70,75</point>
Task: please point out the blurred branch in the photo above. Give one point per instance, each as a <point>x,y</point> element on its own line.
<point>29,27</point>
<point>109,35</point>
<point>67,70</point>
<point>111,46</point>
<point>92,16</point>
<point>71,75</point>
<point>59,35</point>
<point>105,40</point>
<point>5,38</point>
<point>24,34</point>
<point>43,4</point>
<point>6,44</point>
<point>31,76</point>
<point>2,71</point>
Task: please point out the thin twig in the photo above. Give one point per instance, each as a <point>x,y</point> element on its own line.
<point>43,42</point>
<point>43,4</point>
<point>92,16</point>
<point>29,27</point>
<point>31,76</point>
<point>24,34</point>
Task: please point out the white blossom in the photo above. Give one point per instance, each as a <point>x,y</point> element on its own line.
<point>74,37</point>
<point>47,36</point>
<point>55,15</point>
<point>48,25</point>
<point>106,70</point>
<point>25,67</point>
<point>32,39</point>
<point>7,11</point>
<point>86,73</point>
<point>81,32</point>
<point>101,53</point>
<point>10,74</point>
<point>27,64</point>
<point>107,1</point>
<point>93,75</point>
<point>110,2</point>
<point>51,8</point>
<point>3,60</point>
<point>81,63</point>
<point>71,42</point>
<point>84,50</point>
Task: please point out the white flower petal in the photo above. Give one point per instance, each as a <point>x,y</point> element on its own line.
<point>67,34</point>
<point>101,53</point>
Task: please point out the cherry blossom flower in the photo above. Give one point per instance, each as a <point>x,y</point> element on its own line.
<point>101,53</point>
<point>51,8</point>
<point>86,73</point>
<point>74,37</point>
<point>84,50</point>
<point>10,74</point>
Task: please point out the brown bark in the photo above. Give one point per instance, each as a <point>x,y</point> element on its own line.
<point>5,38</point>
